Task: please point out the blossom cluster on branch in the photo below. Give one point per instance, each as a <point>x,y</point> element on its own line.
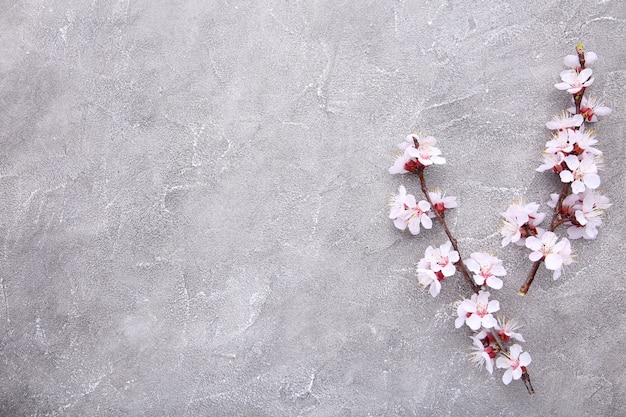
<point>571,154</point>
<point>492,338</point>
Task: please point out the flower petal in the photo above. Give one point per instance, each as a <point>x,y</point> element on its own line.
<point>426,222</point>
<point>400,223</point>
<point>533,243</point>
<point>473,322</point>
<point>553,261</point>
<point>493,306</point>
<point>515,350</point>
<point>488,321</point>
<point>525,359</point>
<point>494,282</point>
<point>507,377</point>
<point>468,306</point>
<point>435,288</point>
<point>592,181</point>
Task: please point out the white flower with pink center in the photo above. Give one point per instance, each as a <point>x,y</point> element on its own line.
<point>478,311</point>
<point>482,355</point>
<point>417,151</point>
<point>437,264</point>
<point>588,216</point>
<point>486,269</point>
<point>428,278</point>
<point>551,161</point>
<point>507,329</point>
<point>582,174</point>
<point>403,164</point>
<point>426,153</point>
<point>442,259</point>
<point>563,121</point>
<point>574,81</point>
<point>514,363</point>
<point>419,215</point>
<point>519,222</point>
<point>553,252</point>
<point>399,205</point>
<point>583,140</point>
<point>405,211</point>
<point>440,201</point>
<point>591,108</point>
<point>560,142</point>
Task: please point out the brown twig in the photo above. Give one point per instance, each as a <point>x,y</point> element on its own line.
<point>460,265</point>
<point>526,380</point>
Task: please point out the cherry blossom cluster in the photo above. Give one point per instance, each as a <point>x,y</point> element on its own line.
<point>492,338</point>
<point>571,154</point>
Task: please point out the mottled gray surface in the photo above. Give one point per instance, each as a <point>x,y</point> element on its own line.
<point>193,206</point>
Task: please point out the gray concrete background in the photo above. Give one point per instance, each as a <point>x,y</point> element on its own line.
<point>193,206</point>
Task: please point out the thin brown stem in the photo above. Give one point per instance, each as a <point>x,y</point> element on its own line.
<point>440,217</point>
<point>530,278</point>
<point>529,386</point>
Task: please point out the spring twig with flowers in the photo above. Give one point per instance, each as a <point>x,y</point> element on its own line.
<point>570,154</point>
<point>492,338</point>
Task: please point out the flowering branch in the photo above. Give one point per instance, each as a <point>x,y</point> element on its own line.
<point>571,155</point>
<point>491,336</point>
<point>556,222</point>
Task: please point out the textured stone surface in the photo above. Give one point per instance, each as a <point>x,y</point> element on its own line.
<point>193,206</point>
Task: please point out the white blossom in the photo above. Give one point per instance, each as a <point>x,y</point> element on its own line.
<point>486,269</point>
<point>478,311</point>
<point>554,253</point>
<point>514,363</point>
<point>591,108</point>
<point>574,81</point>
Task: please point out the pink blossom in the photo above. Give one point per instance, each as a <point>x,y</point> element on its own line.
<point>591,108</point>
<point>520,221</point>
<point>400,204</point>
<point>486,269</point>
<point>554,254</point>
<point>583,141</point>
<point>428,278</point>
<point>478,311</point>
<point>574,81</point>
<point>582,174</point>
<point>552,161</point>
<point>442,259</point>
<point>482,355</point>
<point>426,153</point>
<point>440,201</point>
<point>403,164</point>
<point>588,216</point>
<point>506,329</point>
<point>405,211</point>
<point>568,205</point>
<point>436,264</point>
<point>419,215</point>
<point>560,142</point>
<point>514,363</point>
<point>417,151</point>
